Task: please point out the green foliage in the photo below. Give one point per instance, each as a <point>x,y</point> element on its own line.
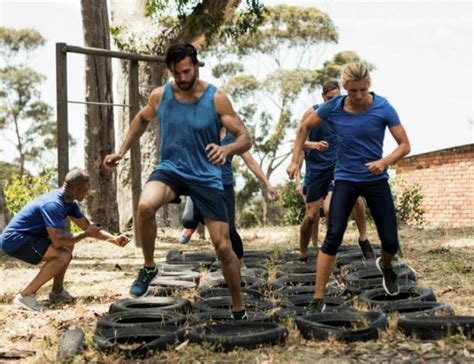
<point>248,218</point>
<point>8,171</point>
<point>21,108</point>
<point>409,203</point>
<point>332,69</point>
<point>22,189</point>
<point>293,203</point>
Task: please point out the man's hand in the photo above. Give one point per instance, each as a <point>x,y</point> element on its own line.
<point>292,170</point>
<point>376,167</point>
<point>120,240</point>
<point>272,192</point>
<point>112,160</point>
<point>92,230</point>
<point>320,146</point>
<point>216,154</point>
<point>299,189</point>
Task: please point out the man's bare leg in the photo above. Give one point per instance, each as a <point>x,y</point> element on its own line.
<point>57,261</point>
<point>219,233</point>
<point>358,213</point>
<point>154,195</point>
<point>325,266</point>
<point>310,219</point>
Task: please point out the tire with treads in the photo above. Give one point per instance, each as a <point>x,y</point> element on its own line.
<point>340,325</point>
<point>245,282</point>
<point>331,291</point>
<point>417,308</point>
<point>284,314</point>
<point>378,297</point>
<point>138,342</point>
<point>371,278</point>
<point>225,303</point>
<point>205,293</point>
<point>239,334</point>
<point>367,264</point>
<point>157,303</point>
<point>225,316</point>
<point>436,327</point>
<point>305,300</point>
<point>140,318</point>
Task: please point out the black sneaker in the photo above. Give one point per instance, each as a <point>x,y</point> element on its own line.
<point>390,279</point>
<point>317,305</point>
<point>367,249</point>
<point>240,315</point>
<point>141,284</point>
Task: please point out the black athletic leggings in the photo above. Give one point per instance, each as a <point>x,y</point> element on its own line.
<point>380,202</point>
<point>189,222</point>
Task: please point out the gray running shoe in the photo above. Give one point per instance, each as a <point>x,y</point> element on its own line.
<point>63,296</point>
<point>27,303</point>
<point>390,279</point>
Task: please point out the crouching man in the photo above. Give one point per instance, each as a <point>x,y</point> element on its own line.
<point>39,233</point>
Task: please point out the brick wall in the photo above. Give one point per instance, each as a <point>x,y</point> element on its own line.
<point>447,181</point>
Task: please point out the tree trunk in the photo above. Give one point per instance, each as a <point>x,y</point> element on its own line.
<point>4,215</point>
<point>127,15</point>
<point>101,203</point>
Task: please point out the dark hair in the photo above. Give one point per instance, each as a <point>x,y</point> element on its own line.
<point>177,52</point>
<point>329,86</point>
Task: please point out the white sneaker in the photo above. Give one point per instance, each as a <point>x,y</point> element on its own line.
<point>27,303</point>
<point>63,296</point>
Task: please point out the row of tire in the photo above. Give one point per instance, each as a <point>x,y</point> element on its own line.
<point>138,326</point>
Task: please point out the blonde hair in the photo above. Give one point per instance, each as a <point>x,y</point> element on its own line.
<point>355,72</point>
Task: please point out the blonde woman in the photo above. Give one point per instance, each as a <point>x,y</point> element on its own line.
<point>360,120</point>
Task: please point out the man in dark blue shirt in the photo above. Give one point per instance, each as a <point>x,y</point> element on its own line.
<point>39,233</point>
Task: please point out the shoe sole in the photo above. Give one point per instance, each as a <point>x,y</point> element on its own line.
<point>377,264</point>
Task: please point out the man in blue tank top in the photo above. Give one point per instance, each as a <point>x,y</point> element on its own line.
<point>320,156</point>
<point>191,113</point>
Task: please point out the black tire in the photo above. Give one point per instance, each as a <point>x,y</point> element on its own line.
<point>225,303</point>
<point>437,327</point>
<point>245,282</point>
<point>190,256</point>
<point>338,324</point>
<point>292,281</point>
<point>179,266</point>
<point>239,334</point>
<point>225,316</point>
<point>331,291</point>
<point>167,286</point>
<point>367,264</point>
<point>304,300</point>
<point>186,275</point>
<point>70,344</point>
<point>352,256</point>
<point>298,268</point>
<point>157,303</point>
<point>138,341</point>
<point>378,298</point>
<point>205,293</point>
<point>417,308</point>
<point>371,278</point>
<point>284,314</point>
<point>141,318</point>
<point>262,254</point>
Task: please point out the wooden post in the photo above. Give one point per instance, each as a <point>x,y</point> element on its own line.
<point>135,156</point>
<point>61,111</point>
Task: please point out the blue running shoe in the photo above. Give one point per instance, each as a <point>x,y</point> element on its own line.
<point>140,285</point>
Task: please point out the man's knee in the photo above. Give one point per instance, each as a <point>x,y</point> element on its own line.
<point>224,251</point>
<point>64,256</point>
<point>146,210</point>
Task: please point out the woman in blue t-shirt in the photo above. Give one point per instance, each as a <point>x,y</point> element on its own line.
<point>360,120</point>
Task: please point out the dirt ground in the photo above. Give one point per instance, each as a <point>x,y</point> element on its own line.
<point>101,273</point>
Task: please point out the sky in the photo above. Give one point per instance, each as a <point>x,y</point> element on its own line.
<point>422,51</point>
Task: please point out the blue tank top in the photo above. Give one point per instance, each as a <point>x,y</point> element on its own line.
<point>186,129</point>
<point>227,176</point>
<point>315,160</point>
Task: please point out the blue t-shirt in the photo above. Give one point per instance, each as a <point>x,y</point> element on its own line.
<point>227,175</point>
<point>185,130</point>
<point>360,136</point>
<point>46,211</point>
<point>316,161</point>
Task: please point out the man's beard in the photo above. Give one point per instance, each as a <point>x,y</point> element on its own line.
<point>186,86</point>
